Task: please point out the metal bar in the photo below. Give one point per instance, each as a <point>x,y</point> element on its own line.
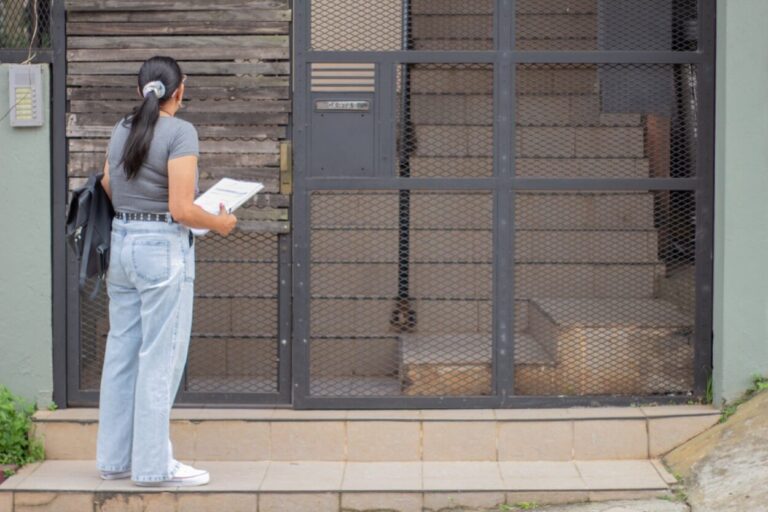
<point>510,183</point>
<point>535,57</point>
<point>402,402</point>
<point>300,209</point>
<point>484,402</point>
<point>503,221</point>
<point>284,319</point>
<point>59,202</point>
<point>705,199</point>
<point>40,56</point>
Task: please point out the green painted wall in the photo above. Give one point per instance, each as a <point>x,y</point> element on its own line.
<point>25,257</point>
<point>741,212</point>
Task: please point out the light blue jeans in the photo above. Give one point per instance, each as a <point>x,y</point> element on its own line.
<point>150,286</point>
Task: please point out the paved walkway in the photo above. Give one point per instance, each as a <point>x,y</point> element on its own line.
<point>654,505</point>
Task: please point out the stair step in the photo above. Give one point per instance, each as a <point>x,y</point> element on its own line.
<point>479,166</point>
<point>533,142</point>
<point>648,339</point>
<point>281,434</point>
<point>335,486</point>
<point>457,364</point>
<point>599,210</point>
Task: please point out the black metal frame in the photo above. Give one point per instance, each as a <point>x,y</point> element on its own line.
<point>505,59</point>
<point>294,248</point>
<point>66,297</point>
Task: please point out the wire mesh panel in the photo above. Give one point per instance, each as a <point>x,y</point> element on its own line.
<point>400,300</point>
<point>606,121</point>
<point>94,326</point>
<point>633,25</point>
<point>444,120</point>
<point>601,285</point>
<point>25,24</point>
<point>604,287</point>
<point>234,343</point>
<point>385,25</point>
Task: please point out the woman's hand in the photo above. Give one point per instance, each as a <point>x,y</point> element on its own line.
<point>226,221</point>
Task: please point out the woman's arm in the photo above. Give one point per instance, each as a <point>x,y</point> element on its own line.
<point>105,180</point>
<point>181,196</point>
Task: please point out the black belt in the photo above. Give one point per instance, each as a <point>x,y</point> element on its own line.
<point>145,216</point>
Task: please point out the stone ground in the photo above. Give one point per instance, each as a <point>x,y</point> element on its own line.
<point>653,505</point>
<point>726,467</point>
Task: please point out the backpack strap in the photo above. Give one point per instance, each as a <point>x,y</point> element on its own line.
<point>87,242</point>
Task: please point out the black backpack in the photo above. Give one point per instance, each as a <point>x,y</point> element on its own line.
<point>89,230</point>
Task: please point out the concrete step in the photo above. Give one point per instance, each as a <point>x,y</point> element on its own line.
<point>551,79</point>
<point>532,142</point>
<point>457,364</point>
<point>626,346</point>
<point>481,167</point>
<point>377,282</point>
<point>470,248</point>
<point>379,210</point>
<point>522,7</point>
<point>274,434</point>
<point>272,486</point>
<point>532,110</point>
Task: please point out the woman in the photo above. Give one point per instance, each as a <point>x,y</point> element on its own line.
<point>150,174</point>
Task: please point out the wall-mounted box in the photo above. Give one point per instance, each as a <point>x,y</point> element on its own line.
<point>26,95</point>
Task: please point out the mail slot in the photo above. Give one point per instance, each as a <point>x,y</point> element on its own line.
<point>342,135</point>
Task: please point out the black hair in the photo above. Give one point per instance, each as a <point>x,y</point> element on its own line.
<point>143,118</point>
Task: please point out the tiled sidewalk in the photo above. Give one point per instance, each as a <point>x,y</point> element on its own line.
<point>414,481</point>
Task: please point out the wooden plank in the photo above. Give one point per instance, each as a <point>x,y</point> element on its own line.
<point>191,92</point>
<point>178,53</point>
<point>189,67</point>
<point>82,29</point>
<point>122,107</point>
<point>264,226</point>
<point>234,82</point>
<point>83,162</point>
<point>199,119</point>
<point>161,42</point>
<point>175,17</point>
<point>206,146</point>
<point>246,132</point>
<point>172,5</point>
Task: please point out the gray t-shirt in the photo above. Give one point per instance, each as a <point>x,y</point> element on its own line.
<point>147,191</point>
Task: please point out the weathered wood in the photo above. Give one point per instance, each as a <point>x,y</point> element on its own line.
<point>212,53</point>
<point>121,107</point>
<point>161,42</point>
<point>264,226</point>
<point>232,27</point>
<point>234,82</point>
<point>171,5</point>
<point>191,92</point>
<point>198,119</point>
<point>240,109</point>
<point>249,132</point>
<point>84,162</point>
<point>189,67</point>
<point>206,146</point>
<point>168,17</point>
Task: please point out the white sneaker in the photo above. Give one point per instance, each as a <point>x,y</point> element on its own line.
<point>115,475</point>
<point>184,476</point>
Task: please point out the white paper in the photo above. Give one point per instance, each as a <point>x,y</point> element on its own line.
<point>233,193</point>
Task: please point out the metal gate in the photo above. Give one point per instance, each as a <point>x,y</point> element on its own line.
<point>501,203</point>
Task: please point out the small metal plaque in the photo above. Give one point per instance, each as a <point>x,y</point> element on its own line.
<point>343,105</point>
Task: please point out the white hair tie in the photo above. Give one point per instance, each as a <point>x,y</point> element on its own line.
<point>155,86</point>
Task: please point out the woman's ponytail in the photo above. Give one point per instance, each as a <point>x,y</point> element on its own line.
<point>159,77</point>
